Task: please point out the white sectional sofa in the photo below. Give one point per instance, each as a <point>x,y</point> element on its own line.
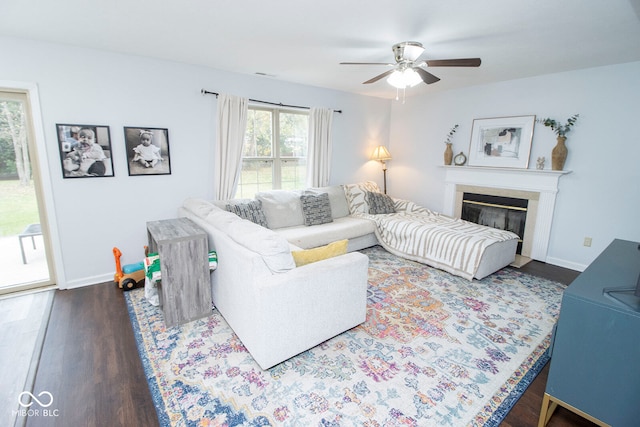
<point>279,310</point>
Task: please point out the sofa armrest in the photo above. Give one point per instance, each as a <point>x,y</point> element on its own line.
<point>308,305</point>
<point>318,272</point>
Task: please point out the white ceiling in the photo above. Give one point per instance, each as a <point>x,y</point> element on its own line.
<point>303,41</point>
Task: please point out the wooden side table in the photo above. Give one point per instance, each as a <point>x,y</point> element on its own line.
<point>185,289</point>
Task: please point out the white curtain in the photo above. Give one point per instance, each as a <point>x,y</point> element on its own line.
<point>319,150</point>
<point>232,124</point>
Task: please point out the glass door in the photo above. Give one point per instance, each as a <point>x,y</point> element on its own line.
<point>25,259</point>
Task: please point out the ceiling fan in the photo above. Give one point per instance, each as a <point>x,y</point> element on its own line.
<point>408,70</point>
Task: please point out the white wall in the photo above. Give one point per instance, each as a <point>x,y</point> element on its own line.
<point>599,199</point>
<point>95,87</point>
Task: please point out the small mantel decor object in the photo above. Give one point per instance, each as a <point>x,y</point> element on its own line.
<point>448,152</point>
<point>460,159</point>
<point>540,163</point>
<point>559,152</point>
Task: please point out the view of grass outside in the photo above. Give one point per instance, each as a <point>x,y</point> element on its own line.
<point>18,207</point>
<point>257,175</point>
<point>294,174</point>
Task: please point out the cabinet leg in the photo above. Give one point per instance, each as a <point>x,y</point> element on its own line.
<point>548,407</point>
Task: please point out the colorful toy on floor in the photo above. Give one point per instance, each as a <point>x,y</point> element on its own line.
<point>128,276</point>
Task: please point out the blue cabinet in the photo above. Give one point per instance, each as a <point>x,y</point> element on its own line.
<point>595,362</point>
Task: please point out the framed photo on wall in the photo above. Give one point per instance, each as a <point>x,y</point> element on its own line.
<point>147,151</point>
<point>503,142</point>
<point>85,150</point>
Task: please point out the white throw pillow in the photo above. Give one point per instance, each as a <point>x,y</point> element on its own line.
<point>282,208</point>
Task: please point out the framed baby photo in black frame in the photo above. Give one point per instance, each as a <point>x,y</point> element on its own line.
<point>85,150</point>
<point>147,151</point>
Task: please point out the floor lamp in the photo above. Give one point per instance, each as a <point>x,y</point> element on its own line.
<point>381,154</point>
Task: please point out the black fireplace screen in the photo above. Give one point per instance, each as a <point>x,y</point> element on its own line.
<point>504,213</point>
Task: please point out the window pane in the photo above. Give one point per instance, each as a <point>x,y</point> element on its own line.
<point>258,138</point>
<point>274,154</point>
<point>293,174</point>
<point>294,133</point>
<point>256,175</point>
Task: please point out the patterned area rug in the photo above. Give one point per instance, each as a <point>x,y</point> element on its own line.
<point>435,350</point>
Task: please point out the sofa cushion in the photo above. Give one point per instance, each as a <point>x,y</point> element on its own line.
<point>318,254</point>
<point>282,208</point>
<point>339,205</point>
<point>355,196</point>
<point>379,203</point>
<point>273,249</point>
<point>316,208</point>
<point>347,227</point>
<point>221,219</point>
<point>250,210</point>
<point>200,207</point>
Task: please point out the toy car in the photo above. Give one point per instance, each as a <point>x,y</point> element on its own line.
<point>128,276</point>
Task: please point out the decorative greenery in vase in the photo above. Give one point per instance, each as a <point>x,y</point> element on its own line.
<point>448,152</point>
<point>450,134</point>
<point>559,129</point>
<point>559,152</point>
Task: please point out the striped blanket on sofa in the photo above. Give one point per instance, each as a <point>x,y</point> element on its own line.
<point>450,244</point>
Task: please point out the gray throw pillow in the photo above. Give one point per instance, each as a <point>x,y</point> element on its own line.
<point>316,209</point>
<point>379,203</point>
<point>251,210</point>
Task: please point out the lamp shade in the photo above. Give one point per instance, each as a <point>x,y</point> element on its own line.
<point>404,78</point>
<point>381,154</point>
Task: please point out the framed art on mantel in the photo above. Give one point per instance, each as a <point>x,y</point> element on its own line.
<point>503,142</point>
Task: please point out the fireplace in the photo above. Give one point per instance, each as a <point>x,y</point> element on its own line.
<point>519,206</point>
<point>537,187</point>
<point>503,213</point>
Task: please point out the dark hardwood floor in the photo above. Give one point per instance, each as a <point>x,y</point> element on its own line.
<point>90,364</point>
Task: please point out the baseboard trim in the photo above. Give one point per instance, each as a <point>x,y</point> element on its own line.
<point>88,281</point>
<point>566,264</point>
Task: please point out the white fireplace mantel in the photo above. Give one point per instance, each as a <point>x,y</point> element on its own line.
<point>544,182</point>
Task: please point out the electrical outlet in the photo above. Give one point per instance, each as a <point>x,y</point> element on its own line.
<point>587,242</point>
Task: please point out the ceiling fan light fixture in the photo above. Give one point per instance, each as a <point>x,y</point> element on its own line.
<point>407,51</point>
<point>403,79</point>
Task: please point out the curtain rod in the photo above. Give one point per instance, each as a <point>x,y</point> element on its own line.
<point>206,92</point>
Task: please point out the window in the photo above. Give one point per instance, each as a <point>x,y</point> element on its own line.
<point>274,155</point>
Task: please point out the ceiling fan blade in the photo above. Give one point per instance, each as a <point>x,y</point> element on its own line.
<point>465,62</point>
<point>426,76</point>
<point>366,63</point>
<point>378,77</point>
